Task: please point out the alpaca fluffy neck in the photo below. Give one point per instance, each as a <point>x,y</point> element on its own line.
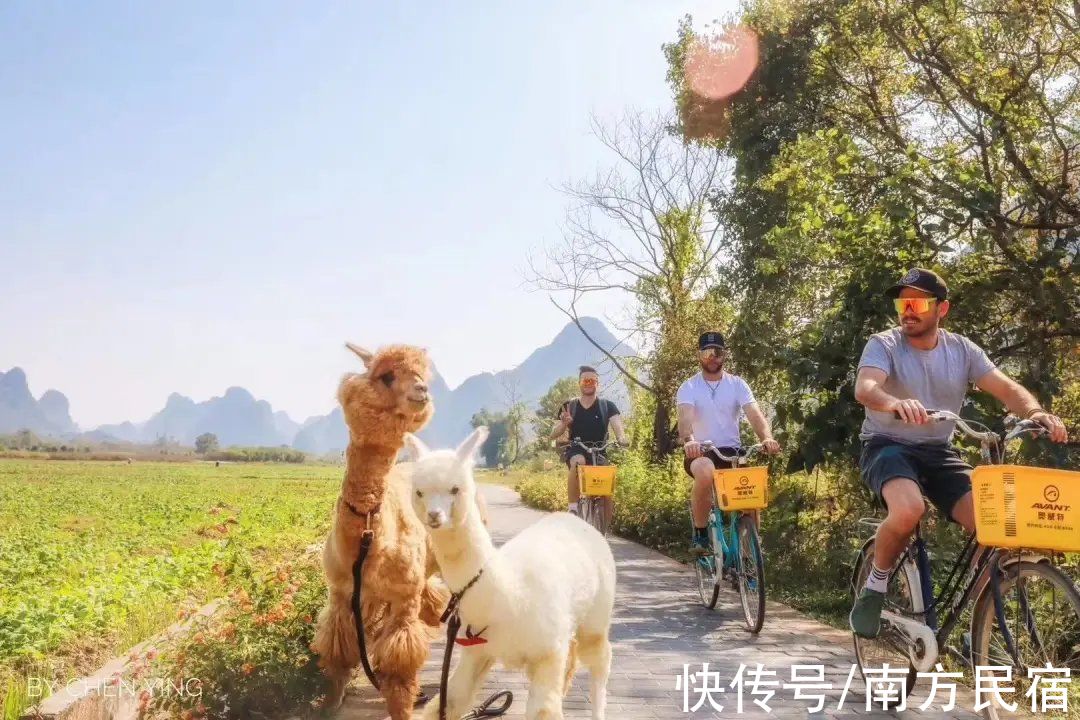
<point>366,468</point>
<point>463,551</point>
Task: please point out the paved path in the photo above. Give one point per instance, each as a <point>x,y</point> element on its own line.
<point>659,626</point>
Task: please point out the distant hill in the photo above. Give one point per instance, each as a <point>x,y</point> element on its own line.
<point>528,381</point>
<point>48,415</point>
<point>238,418</point>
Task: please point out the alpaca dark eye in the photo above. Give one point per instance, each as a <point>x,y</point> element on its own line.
<point>419,494</point>
<point>387,378</point>
<point>454,491</point>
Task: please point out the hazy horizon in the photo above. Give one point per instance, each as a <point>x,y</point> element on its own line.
<point>200,196</point>
<point>37,391</point>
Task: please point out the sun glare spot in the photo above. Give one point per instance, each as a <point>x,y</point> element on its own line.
<point>718,67</point>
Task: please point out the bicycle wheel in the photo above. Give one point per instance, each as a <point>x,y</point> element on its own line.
<point>751,573</point>
<point>904,595</point>
<point>598,515</point>
<point>1042,614</point>
<point>584,509</point>
<point>705,569</point>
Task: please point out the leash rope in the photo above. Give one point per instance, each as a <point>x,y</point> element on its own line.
<point>366,539</point>
<point>358,579</point>
<point>488,708</point>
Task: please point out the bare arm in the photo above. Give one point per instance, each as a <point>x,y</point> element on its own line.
<point>1021,402</point>
<point>686,431</point>
<point>564,422</point>
<point>870,393</point>
<point>758,421</point>
<point>686,422</point>
<point>1009,393</point>
<point>620,431</point>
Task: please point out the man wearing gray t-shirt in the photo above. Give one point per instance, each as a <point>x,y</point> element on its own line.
<point>903,372</point>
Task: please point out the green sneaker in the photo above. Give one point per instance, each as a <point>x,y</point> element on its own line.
<point>865,617</point>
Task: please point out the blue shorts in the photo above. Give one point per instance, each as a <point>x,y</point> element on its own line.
<point>936,468</point>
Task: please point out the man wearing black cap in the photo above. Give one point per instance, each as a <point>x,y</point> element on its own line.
<point>710,405</point>
<point>902,372</point>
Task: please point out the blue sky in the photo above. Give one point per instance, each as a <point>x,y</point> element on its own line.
<point>198,195</point>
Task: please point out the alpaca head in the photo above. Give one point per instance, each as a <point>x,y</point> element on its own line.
<point>443,489</point>
<point>391,398</point>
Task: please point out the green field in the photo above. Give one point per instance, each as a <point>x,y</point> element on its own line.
<point>97,556</point>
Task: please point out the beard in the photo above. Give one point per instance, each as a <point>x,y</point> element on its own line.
<point>711,366</point>
<point>919,328</point>
<point>588,390</point>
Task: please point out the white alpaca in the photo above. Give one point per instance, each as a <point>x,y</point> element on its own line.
<point>540,601</point>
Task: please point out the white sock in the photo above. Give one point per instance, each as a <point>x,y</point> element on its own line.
<point>877,579</point>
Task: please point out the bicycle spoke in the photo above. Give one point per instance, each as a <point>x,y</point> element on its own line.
<point>1043,611</point>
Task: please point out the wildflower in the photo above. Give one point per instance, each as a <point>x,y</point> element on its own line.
<point>247,668</point>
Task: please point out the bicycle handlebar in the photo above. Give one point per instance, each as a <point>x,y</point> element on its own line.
<point>596,446</point>
<point>743,453</point>
<point>1019,428</point>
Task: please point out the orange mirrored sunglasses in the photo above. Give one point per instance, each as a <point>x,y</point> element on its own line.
<point>915,305</point>
<point>587,381</point>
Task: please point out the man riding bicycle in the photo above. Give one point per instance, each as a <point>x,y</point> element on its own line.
<point>587,417</point>
<point>710,405</point>
<point>905,455</point>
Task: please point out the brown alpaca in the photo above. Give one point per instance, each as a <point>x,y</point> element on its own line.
<point>401,601</point>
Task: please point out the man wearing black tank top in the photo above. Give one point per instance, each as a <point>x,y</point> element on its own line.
<point>587,418</point>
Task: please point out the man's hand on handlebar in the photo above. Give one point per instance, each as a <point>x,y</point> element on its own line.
<point>692,448</point>
<point>770,446</point>
<point>911,411</point>
<point>1054,427</point>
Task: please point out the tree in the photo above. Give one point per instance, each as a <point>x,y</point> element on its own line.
<point>908,133</point>
<point>206,443</point>
<point>644,230</point>
<point>494,447</point>
<point>547,409</point>
<point>517,414</point>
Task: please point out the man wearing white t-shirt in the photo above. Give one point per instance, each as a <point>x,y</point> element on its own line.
<point>710,405</point>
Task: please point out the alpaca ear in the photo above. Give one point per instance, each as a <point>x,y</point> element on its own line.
<point>416,446</point>
<point>363,354</point>
<point>468,448</point>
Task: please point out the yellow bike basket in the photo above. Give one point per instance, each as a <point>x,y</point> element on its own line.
<point>745,488</point>
<point>596,480</point>
<point>1030,507</point>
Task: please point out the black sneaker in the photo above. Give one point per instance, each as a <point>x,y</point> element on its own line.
<point>700,547</point>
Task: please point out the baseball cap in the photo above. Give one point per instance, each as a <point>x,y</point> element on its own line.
<point>710,339</point>
<point>921,279</point>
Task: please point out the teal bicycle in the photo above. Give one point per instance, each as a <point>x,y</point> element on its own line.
<point>733,536</point>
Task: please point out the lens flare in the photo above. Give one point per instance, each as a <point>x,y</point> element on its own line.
<point>719,67</point>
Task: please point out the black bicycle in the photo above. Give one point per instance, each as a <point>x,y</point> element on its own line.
<point>1025,612</point>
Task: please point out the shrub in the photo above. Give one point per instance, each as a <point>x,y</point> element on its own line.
<point>258,454</point>
<point>252,656</point>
